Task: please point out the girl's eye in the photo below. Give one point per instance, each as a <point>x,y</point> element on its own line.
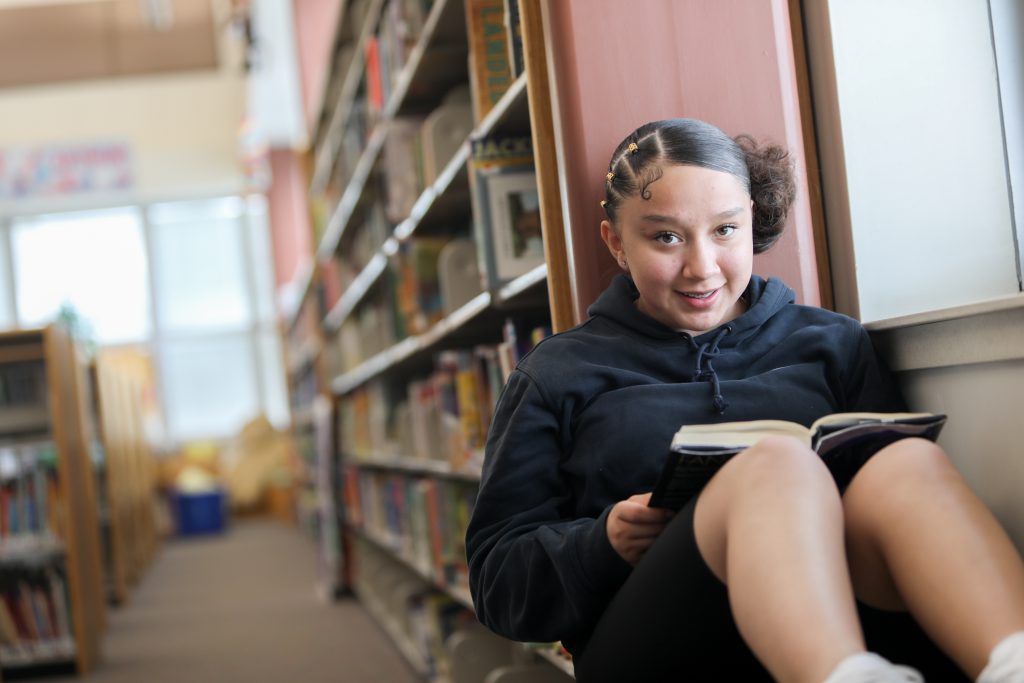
<point>726,230</point>
<point>667,238</point>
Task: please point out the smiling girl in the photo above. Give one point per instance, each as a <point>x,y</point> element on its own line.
<point>778,569</point>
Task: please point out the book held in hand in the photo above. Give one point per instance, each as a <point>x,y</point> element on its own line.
<point>844,441</point>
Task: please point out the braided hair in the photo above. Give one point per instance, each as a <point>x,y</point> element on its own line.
<point>764,171</point>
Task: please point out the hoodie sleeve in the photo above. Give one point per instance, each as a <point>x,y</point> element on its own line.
<point>535,574</point>
<point>870,386</point>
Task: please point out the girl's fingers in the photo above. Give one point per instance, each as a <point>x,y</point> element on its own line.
<point>641,514</point>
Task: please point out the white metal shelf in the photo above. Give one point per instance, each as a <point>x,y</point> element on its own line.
<point>415,466</point>
<point>410,346</point>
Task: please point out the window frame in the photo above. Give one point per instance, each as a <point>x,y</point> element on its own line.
<point>824,92</point>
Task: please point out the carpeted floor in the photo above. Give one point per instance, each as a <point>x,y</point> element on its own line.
<point>241,607</point>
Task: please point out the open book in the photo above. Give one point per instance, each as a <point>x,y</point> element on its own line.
<point>844,441</point>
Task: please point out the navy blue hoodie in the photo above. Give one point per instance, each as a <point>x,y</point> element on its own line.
<point>586,420</point>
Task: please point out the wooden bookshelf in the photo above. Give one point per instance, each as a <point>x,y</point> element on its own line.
<point>354,360</point>
<point>61,538</point>
<point>123,385</point>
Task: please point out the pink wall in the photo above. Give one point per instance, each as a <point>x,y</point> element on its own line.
<point>618,65</point>
<point>315,24</point>
<point>290,228</point>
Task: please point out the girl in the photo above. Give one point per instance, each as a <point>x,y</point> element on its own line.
<point>777,569</point>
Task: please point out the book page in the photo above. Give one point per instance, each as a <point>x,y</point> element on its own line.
<point>740,434</point>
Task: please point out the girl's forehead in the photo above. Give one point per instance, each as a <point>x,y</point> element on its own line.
<point>692,185</point>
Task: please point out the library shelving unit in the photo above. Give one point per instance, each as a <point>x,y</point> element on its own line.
<point>122,388</point>
<point>53,609</point>
<point>313,426</point>
<point>440,259</point>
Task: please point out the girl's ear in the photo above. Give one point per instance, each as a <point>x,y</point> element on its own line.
<point>614,243</point>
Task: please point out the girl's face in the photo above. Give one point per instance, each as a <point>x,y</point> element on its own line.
<point>689,248</point>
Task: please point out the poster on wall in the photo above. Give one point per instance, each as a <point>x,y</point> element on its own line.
<point>52,172</point>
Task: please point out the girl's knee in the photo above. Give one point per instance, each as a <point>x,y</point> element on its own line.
<point>775,473</point>
<point>907,460</point>
<point>782,461</point>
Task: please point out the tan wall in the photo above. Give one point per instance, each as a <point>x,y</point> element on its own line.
<point>969,364</point>
<point>985,434</point>
<point>182,129</point>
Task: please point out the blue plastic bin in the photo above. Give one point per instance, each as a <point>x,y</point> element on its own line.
<point>196,514</point>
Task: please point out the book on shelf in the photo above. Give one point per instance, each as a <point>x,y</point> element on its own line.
<point>23,404</point>
<point>444,130</point>
<point>419,288</point>
<point>9,634</point>
<point>490,74</point>
<point>506,212</point>
<point>844,441</point>
<point>458,274</point>
<point>514,212</point>
<point>375,78</point>
<point>402,166</point>
<point>514,31</point>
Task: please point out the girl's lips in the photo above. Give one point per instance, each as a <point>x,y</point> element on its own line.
<point>700,302</point>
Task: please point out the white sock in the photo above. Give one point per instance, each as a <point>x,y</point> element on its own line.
<point>1006,663</point>
<point>867,667</point>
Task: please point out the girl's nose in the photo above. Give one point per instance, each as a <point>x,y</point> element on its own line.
<point>701,261</point>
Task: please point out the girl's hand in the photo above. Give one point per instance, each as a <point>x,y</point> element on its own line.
<point>632,526</point>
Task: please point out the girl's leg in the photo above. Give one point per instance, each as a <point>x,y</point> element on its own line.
<point>670,621</point>
<point>919,539</point>
<point>770,525</point>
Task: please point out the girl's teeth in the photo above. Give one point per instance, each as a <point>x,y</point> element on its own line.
<point>705,295</point>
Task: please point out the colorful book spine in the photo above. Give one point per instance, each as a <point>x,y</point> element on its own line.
<point>489,68</point>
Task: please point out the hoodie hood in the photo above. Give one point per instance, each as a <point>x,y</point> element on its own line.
<point>765,297</point>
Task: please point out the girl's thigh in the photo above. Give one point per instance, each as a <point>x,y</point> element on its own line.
<point>669,621</point>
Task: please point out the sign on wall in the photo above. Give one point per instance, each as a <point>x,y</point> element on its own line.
<point>62,171</point>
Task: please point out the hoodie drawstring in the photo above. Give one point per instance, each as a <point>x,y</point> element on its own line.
<point>706,372</point>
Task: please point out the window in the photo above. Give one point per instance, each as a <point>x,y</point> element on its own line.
<point>7,317</point>
<point>209,384</point>
<point>95,261</point>
<point>192,280</point>
<point>915,161</point>
<point>199,266</point>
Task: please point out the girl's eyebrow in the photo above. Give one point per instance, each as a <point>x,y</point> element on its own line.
<point>672,220</point>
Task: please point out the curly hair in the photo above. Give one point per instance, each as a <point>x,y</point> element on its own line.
<point>764,171</point>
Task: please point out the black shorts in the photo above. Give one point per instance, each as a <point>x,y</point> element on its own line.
<point>671,621</point>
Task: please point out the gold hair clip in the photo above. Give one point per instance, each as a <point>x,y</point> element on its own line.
<point>610,176</point>
<point>604,204</point>
<point>632,149</point>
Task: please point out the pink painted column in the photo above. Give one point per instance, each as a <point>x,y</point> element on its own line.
<point>291,232</point>
<point>316,24</point>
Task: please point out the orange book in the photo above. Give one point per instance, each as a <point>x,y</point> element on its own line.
<point>374,82</point>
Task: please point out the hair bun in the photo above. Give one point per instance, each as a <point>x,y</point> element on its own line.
<point>772,187</point>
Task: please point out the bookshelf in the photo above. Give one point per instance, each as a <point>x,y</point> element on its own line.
<point>122,383</point>
<point>53,609</point>
<point>378,343</point>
